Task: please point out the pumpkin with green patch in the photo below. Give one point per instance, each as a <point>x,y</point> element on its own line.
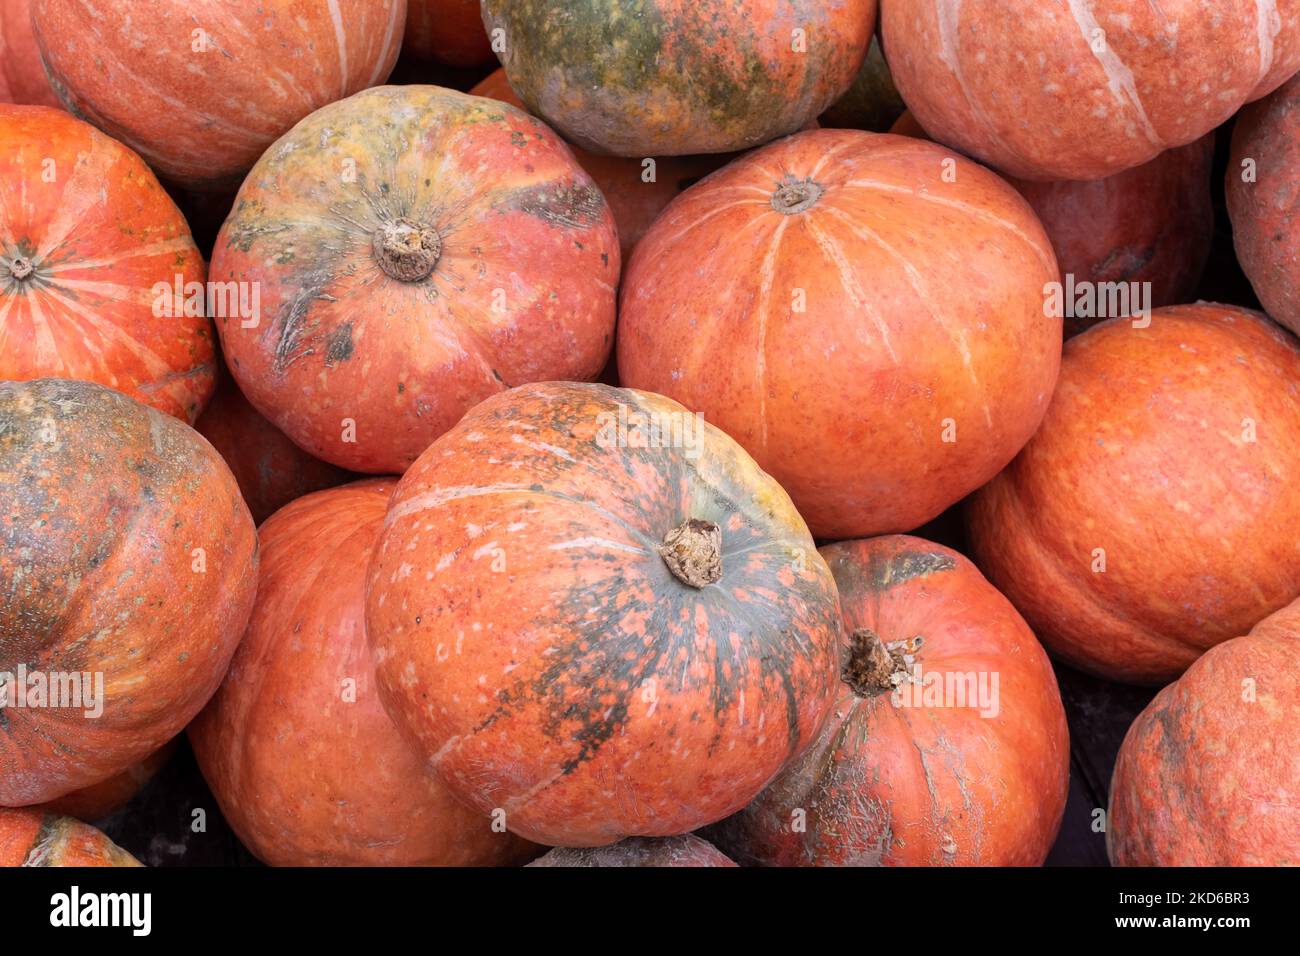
<point>415,250</point>
<point>597,617</point>
<point>31,837</point>
<point>677,77</point>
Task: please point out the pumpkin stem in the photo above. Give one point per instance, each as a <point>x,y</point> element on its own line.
<point>873,668</point>
<point>406,250</point>
<point>795,195</point>
<point>693,552</point>
<point>20,268</point>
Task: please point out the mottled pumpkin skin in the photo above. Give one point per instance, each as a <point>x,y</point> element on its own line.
<point>86,232</point>
<point>450,31</point>
<point>531,640</point>
<point>634,202</point>
<point>307,767</point>
<point>22,74</point>
<point>912,784</point>
<point>202,108</point>
<point>842,339</point>
<point>1145,463</point>
<point>34,838</point>
<point>685,850</point>
<point>872,103</point>
<point>677,77</point>
<point>1083,90</point>
<point>1209,773</point>
<point>126,551</point>
<point>108,796</point>
<point>1264,211</point>
<point>522,287</point>
<point>271,470</point>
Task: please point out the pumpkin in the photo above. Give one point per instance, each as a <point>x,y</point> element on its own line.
<point>97,267</point>
<point>684,850</point>
<point>108,796</point>
<point>22,74</point>
<point>947,744</point>
<point>450,31</point>
<point>128,563</point>
<point>1209,773</point>
<point>1262,200</point>
<point>634,202</point>
<point>220,82</point>
<point>1152,516</point>
<point>864,313</point>
<point>33,838</point>
<point>871,103</point>
<point>1083,90</point>
<point>463,252</point>
<point>597,617</point>
<point>684,77</point>
<point>271,470</point>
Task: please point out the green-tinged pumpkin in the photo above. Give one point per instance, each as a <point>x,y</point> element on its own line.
<point>416,250</point>
<point>685,850</point>
<point>595,615</point>
<point>128,563</point>
<point>34,838</point>
<point>677,77</point>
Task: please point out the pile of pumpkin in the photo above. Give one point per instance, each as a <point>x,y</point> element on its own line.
<point>421,591</point>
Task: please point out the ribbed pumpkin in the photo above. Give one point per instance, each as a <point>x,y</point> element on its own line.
<point>1153,515</point>
<point>685,850</point>
<point>271,470</point>
<point>22,74</point>
<point>947,745</point>
<point>95,261</point>
<point>34,838</point>
<point>200,89</point>
<point>417,250</point>
<point>450,31</point>
<point>1263,202</point>
<point>864,313</point>
<point>596,615</point>
<point>128,559</point>
<point>1209,773</point>
<point>1083,90</point>
<point>108,796</point>
<point>676,77</point>
<point>307,768</point>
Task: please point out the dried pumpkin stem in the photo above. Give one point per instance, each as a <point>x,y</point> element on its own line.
<point>794,196</point>
<point>408,251</point>
<point>20,268</point>
<point>693,552</point>
<point>871,668</point>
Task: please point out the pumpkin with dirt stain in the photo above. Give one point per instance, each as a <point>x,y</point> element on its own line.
<point>307,767</point>
<point>31,837</point>
<point>271,470</point>
<point>1083,90</point>
<point>22,74</point>
<point>864,313</point>
<point>416,250</point>
<point>1264,203</point>
<point>1209,773</point>
<point>947,745</point>
<point>686,850</point>
<point>200,89</point>
<point>128,563</point>
<point>108,796</point>
<point>449,31</point>
<point>677,77</point>
<point>1154,514</point>
<point>97,267</point>
<point>596,615</point>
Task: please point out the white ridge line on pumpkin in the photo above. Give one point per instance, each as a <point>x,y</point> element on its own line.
<point>948,22</point>
<point>1267,16</point>
<point>83,195</point>
<point>182,242</point>
<point>340,37</point>
<point>767,273</point>
<point>849,282</point>
<point>375,76</point>
<point>140,295</point>
<point>47,350</point>
<point>5,306</point>
<point>1119,78</point>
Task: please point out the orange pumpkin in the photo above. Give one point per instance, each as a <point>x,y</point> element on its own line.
<point>464,252</point>
<point>22,74</point>
<point>128,563</point>
<point>863,313</point>
<point>450,31</point>
<point>97,267</point>
<point>34,838</point>
<point>595,615</point>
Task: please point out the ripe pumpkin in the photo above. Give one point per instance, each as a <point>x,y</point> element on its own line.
<point>1152,516</point>
<point>872,103</point>
<point>634,202</point>
<point>1262,200</point>
<point>86,236</point>
<point>684,850</point>
<point>108,796</point>
<point>1083,90</point>
<point>845,305</point>
<point>221,81</point>
<point>468,253</point>
<point>594,613</point>
<point>947,744</point>
<point>271,470</point>
<point>450,31</point>
<point>22,74</point>
<point>1209,773</point>
<point>126,554</point>
<point>33,838</point>
<point>684,77</point>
